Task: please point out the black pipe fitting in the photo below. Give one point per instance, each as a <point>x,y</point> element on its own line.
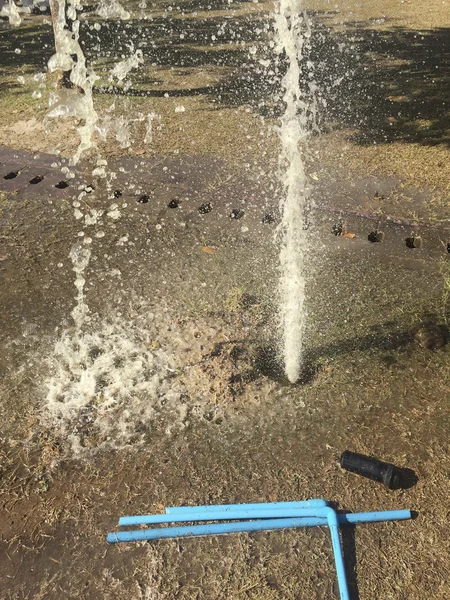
<point>371,468</point>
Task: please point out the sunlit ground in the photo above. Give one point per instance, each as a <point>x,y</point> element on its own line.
<point>182,292</point>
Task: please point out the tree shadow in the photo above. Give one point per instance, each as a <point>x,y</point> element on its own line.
<point>35,42</point>
<point>189,47</point>
<point>387,85</point>
<point>383,85</point>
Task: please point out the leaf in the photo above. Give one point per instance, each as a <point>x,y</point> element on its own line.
<point>210,249</point>
<point>160,506</point>
<point>349,235</point>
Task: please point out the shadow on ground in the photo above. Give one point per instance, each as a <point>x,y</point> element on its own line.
<point>387,85</point>
<point>385,338</point>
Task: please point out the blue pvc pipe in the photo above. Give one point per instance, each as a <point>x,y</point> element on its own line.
<point>226,515</point>
<point>311,517</point>
<point>315,503</point>
<point>230,515</point>
<point>374,517</point>
<point>328,517</point>
<point>213,529</point>
<point>190,517</point>
<point>333,524</point>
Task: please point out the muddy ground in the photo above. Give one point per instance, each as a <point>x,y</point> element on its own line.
<point>184,269</point>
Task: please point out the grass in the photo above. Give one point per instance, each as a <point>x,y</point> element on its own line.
<point>444,268</point>
<point>271,441</point>
<point>385,13</point>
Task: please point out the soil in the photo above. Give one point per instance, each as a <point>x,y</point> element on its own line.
<point>185,266</point>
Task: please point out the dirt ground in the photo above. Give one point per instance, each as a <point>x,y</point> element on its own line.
<point>193,406</point>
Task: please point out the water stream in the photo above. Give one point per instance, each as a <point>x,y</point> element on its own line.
<point>69,57</point>
<point>292,35</point>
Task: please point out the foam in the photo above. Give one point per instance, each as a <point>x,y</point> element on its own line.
<point>106,381</point>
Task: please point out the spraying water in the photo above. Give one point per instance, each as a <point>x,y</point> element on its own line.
<point>99,369</point>
<point>122,68</point>
<point>102,369</point>
<point>69,57</point>
<point>73,98</point>
<point>12,11</point>
<point>80,255</point>
<point>292,35</point>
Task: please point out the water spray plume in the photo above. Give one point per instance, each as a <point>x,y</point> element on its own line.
<point>77,102</point>
<point>292,35</point>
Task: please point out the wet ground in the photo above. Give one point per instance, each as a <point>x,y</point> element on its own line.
<point>185,267</point>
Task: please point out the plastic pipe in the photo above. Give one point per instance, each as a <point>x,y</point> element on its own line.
<point>328,517</point>
<point>372,468</point>
<point>318,517</point>
<point>213,529</point>
<point>310,517</point>
<point>316,503</point>
<point>229,515</point>
<point>333,524</point>
<point>244,514</point>
<point>278,522</point>
<point>227,512</point>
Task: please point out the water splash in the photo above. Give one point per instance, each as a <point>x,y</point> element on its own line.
<point>76,102</point>
<point>73,98</point>
<point>106,375</point>
<point>112,9</point>
<point>292,37</point>
<point>149,128</point>
<point>80,256</point>
<point>12,11</point>
<point>122,68</point>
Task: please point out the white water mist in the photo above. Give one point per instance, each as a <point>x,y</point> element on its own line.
<point>292,38</point>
